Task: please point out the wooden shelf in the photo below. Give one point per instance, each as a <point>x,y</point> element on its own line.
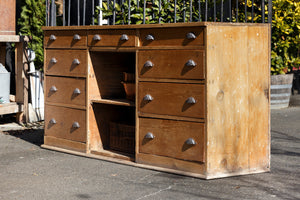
<point>11,107</point>
<point>114,154</point>
<point>119,102</point>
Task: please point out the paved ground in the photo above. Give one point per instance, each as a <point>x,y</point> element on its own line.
<point>29,172</point>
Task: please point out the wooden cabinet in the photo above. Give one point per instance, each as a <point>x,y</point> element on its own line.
<point>201,105</point>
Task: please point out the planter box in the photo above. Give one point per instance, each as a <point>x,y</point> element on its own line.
<point>8,17</point>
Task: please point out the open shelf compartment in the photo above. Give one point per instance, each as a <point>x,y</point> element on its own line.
<point>111,110</point>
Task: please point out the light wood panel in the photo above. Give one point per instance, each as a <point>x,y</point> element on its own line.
<point>230,97</point>
<point>259,98</point>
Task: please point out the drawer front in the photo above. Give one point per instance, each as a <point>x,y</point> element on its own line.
<point>189,64</point>
<point>65,123</point>
<point>66,62</point>
<point>112,38</point>
<point>176,139</point>
<point>177,99</point>
<point>65,39</point>
<point>187,36</point>
<point>66,90</point>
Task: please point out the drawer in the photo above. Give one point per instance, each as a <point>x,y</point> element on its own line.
<point>65,39</point>
<point>177,99</point>
<point>65,123</point>
<point>112,38</point>
<point>176,139</point>
<point>66,90</point>
<point>66,62</point>
<point>186,36</point>
<point>189,64</point>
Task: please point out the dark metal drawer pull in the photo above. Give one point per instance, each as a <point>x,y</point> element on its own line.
<point>150,37</point>
<point>148,97</point>
<point>191,100</point>
<point>75,125</point>
<point>52,37</point>
<point>96,38</point>
<point>149,136</point>
<point>53,60</point>
<point>53,89</point>
<point>190,36</point>
<point>190,141</point>
<point>76,61</point>
<point>76,37</point>
<point>191,63</point>
<point>148,64</point>
<point>76,91</point>
<point>52,121</point>
<point>124,37</point>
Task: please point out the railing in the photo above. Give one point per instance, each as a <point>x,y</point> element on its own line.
<point>101,12</point>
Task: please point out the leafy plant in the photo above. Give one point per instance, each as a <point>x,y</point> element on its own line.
<point>285,36</point>
<point>31,21</point>
<point>154,13</point>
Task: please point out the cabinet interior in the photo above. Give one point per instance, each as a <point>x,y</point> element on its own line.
<point>113,114</point>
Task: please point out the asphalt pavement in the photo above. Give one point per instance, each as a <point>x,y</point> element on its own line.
<point>29,172</point>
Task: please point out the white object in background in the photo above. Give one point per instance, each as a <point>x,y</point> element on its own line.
<point>4,85</point>
<point>36,111</point>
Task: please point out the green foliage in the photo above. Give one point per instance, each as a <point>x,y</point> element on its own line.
<point>153,13</point>
<point>285,36</point>
<point>31,21</point>
<point>285,49</point>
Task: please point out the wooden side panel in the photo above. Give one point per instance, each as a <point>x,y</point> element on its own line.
<point>95,142</point>
<point>171,99</point>
<point>259,90</point>
<point>227,99</point>
<point>171,64</point>
<point>170,138</point>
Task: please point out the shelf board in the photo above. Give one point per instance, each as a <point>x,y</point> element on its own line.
<point>114,154</point>
<point>120,102</point>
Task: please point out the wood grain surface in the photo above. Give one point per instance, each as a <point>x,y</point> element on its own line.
<point>65,90</point>
<point>170,138</point>
<point>171,64</point>
<point>64,65</point>
<point>65,117</point>
<point>171,99</point>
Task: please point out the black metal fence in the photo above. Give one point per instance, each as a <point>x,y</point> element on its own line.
<point>111,12</point>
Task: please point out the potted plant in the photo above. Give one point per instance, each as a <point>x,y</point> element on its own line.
<point>285,50</point>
